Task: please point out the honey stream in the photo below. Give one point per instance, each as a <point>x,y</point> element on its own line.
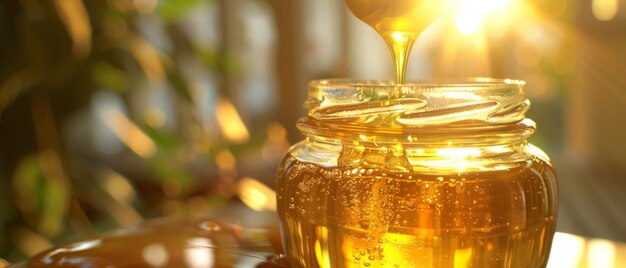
<point>399,23</point>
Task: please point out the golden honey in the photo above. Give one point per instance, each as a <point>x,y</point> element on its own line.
<point>399,22</point>
<point>418,175</point>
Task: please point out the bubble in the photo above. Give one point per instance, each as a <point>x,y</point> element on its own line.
<point>360,96</point>
<point>440,179</point>
<point>366,263</point>
<point>460,187</point>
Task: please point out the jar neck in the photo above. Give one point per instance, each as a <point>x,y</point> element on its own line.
<point>450,136</point>
<point>423,157</point>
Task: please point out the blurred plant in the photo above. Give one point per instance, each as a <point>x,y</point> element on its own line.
<point>58,56</point>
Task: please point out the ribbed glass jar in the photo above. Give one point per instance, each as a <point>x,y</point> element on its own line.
<point>417,175</point>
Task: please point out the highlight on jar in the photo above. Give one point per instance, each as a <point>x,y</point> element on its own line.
<point>435,174</point>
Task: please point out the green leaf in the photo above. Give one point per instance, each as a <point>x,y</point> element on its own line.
<point>108,76</point>
<point>26,181</point>
<point>179,84</point>
<point>42,198</point>
<point>54,208</point>
<point>172,10</point>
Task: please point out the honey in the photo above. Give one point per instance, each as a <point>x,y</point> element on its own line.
<point>416,175</point>
<point>399,23</point>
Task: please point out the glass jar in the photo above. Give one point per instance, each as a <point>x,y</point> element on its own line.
<point>417,175</point>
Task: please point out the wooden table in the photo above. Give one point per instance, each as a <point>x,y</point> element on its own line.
<point>250,246</point>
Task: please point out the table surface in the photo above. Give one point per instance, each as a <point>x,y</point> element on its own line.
<point>205,242</point>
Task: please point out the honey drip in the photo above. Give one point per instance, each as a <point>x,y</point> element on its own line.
<point>399,23</point>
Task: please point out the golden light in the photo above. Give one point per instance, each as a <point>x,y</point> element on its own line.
<point>256,195</point>
<point>118,187</point>
<point>156,255</point>
<point>462,257</point>
<point>471,14</point>
<point>230,122</point>
<point>322,253</point>
<point>200,253</point>
<point>570,253</point>
<point>604,10</point>
<point>129,133</point>
<point>468,22</point>
<point>601,253</point>
<point>148,59</point>
<point>225,160</point>
<point>276,133</point>
<point>452,153</point>
<point>76,19</point>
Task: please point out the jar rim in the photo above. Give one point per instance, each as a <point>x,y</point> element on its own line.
<point>465,83</point>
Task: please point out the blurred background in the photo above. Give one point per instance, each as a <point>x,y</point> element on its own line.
<point>115,111</point>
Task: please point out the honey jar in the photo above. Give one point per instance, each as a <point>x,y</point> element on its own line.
<point>425,174</point>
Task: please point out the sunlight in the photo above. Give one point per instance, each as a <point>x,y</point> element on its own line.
<point>256,195</point>
<point>571,251</point>
<point>129,133</point>
<point>452,153</point>
<point>604,10</point>
<point>230,122</point>
<point>601,253</point>
<point>468,22</point>
<point>471,14</point>
<point>76,19</point>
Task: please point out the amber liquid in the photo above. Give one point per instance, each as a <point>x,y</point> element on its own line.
<point>399,22</point>
<point>372,217</point>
